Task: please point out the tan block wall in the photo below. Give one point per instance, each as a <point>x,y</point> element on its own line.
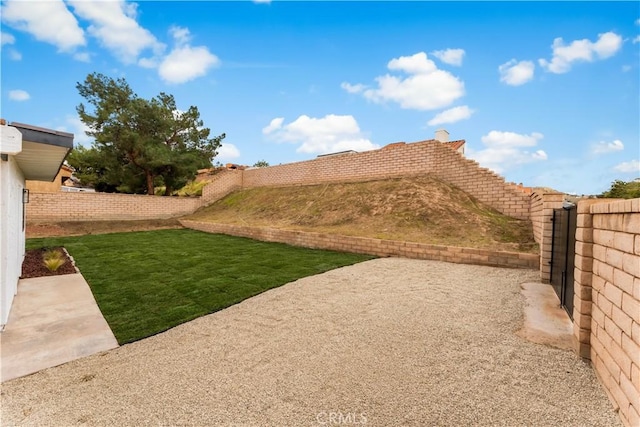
<point>62,206</point>
<point>485,185</point>
<point>607,298</point>
<point>43,186</point>
<point>535,213</point>
<point>223,183</point>
<point>390,161</point>
<point>81,206</point>
<point>376,247</point>
<point>542,205</point>
<point>400,159</point>
<point>49,187</point>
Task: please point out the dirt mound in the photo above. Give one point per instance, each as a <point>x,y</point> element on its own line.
<point>417,209</point>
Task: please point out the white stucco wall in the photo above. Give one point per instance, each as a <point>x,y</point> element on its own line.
<point>12,233</point>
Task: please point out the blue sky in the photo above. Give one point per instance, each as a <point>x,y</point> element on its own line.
<point>545,93</point>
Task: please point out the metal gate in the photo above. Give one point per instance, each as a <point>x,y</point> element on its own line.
<point>563,255</point>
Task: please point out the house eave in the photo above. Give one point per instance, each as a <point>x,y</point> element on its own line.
<point>43,151</point>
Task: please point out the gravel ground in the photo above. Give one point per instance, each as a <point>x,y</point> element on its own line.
<point>383,343</point>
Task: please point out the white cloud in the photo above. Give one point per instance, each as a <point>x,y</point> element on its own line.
<point>632,166</point>
<point>180,35</point>
<point>636,40</point>
<point>48,21</point>
<point>426,87</point>
<point>274,125</point>
<point>603,147</point>
<point>19,95</point>
<point>187,63</point>
<point>82,57</point>
<point>497,138</point>
<point>148,62</point>
<point>6,38</point>
<point>504,150</point>
<point>450,56</point>
<point>516,73</point>
<point>329,134</point>
<point>414,64</point>
<point>227,152</point>
<point>14,55</point>
<point>357,88</point>
<point>114,24</point>
<point>184,62</point>
<point>451,115</point>
<point>607,45</point>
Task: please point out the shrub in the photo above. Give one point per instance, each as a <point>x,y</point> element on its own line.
<point>623,190</point>
<point>53,259</point>
<point>192,189</point>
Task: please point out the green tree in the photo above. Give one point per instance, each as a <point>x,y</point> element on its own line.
<point>95,169</point>
<point>261,164</point>
<point>623,190</point>
<point>139,143</point>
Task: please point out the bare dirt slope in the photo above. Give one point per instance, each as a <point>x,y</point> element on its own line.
<point>418,209</point>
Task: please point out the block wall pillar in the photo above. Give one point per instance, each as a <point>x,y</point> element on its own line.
<point>550,201</point>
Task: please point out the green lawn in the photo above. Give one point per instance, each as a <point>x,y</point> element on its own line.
<point>148,282</point>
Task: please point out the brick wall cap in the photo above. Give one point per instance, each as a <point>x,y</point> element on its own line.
<point>584,205</point>
<point>616,206</point>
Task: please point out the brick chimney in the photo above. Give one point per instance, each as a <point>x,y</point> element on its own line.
<point>442,135</point>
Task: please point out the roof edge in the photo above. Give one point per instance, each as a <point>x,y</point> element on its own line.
<point>44,136</point>
<point>40,129</point>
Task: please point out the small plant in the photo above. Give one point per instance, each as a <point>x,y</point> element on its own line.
<point>53,259</point>
<point>192,189</point>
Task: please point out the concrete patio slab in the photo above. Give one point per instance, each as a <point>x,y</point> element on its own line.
<point>545,321</point>
<point>53,320</point>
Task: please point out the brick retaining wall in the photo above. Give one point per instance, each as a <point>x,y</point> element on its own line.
<point>67,206</point>
<point>63,206</point>
<point>394,160</point>
<point>607,298</point>
<point>221,185</point>
<point>399,159</point>
<point>543,203</point>
<point>370,246</point>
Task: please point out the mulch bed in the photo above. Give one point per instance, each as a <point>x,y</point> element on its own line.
<point>33,264</point>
